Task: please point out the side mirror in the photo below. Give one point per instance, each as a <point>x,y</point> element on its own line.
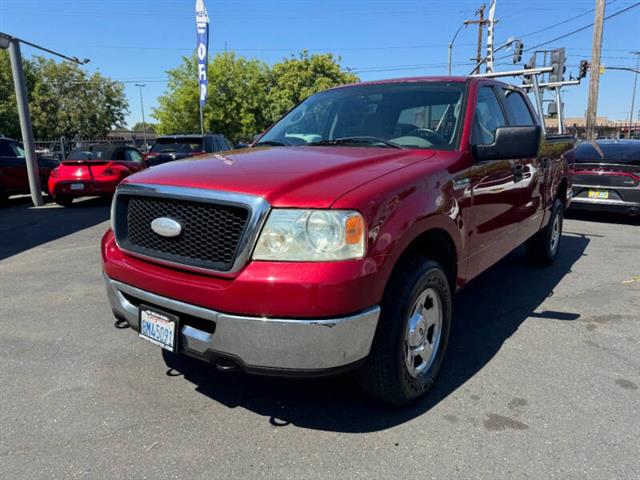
<point>511,142</point>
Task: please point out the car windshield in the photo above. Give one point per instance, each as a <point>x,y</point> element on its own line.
<point>180,145</point>
<point>391,115</point>
<point>94,152</point>
<point>626,152</point>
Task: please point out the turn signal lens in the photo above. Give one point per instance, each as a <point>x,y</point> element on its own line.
<point>354,230</point>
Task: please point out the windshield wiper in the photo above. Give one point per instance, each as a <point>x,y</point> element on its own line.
<point>357,140</point>
<point>272,143</point>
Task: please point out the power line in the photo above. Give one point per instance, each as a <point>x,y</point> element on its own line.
<point>573,32</point>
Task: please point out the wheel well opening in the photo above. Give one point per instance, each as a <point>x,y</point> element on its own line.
<point>436,245</point>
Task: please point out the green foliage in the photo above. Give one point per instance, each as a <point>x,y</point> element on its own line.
<point>237,97</point>
<point>296,78</point>
<point>245,96</point>
<point>9,122</point>
<point>63,100</point>
<point>140,127</point>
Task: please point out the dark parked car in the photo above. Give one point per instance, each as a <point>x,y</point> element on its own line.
<point>606,176</point>
<point>177,147</point>
<point>13,169</point>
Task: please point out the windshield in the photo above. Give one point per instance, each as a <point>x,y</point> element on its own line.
<point>409,115</point>
<point>182,145</point>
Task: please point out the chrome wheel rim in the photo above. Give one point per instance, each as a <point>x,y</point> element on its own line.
<point>555,234</point>
<point>424,329</point>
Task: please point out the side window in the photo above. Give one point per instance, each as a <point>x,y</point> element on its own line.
<point>488,117</point>
<point>19,150</point>
<point>132,155</point>
<point>518,109</point>
<point>6,150</point>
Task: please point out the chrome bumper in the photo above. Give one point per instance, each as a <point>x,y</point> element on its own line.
<point>258,343</point>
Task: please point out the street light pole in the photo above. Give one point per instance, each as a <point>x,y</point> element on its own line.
<point>633,95</point>
<point>19,85</point>
<point>466,22</point>
<point>144,124</point>
<point>33,171</point>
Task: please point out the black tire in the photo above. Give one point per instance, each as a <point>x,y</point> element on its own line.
<point>543,247</point>
<point>63,201</point>
<point>385,374</point>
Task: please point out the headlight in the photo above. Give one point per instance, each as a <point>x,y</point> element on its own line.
<point>311,235</point>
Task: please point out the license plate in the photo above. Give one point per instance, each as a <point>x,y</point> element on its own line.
<point>158,328</point>
<point>77,186</point>
<point>598,194</point>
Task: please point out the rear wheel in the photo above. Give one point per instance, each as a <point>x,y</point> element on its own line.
<point>412,335</point>
<point>543,247</point>
<point>63,201</point>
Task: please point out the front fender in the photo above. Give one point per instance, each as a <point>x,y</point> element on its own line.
<point>404,205</point>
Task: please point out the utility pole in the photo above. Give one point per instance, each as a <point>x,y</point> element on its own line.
<point>633,95</point>
<point>481,22</point>
<point>594,78</point>
<point>144,124</point>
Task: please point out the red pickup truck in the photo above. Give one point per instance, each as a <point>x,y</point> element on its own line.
<point>337,240</point>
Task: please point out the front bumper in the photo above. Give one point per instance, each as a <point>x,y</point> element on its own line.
<point>257,344</point>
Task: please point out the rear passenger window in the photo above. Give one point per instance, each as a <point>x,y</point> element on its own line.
<point>520,113</point>
<point>488,117</point>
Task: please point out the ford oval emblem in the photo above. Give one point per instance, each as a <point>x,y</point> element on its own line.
<point>167,227</point>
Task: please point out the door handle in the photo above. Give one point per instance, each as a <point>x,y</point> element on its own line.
<point>518,172</point>
<point>545,163</point>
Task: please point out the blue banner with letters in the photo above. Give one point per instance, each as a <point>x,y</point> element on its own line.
<point>202,36</point>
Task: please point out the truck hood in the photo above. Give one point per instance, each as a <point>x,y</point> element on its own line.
<point>312,177</point>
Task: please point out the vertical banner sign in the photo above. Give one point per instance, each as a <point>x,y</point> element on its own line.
<point>202,34</point>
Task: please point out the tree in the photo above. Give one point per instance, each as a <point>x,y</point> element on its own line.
<point>68,102</point>
<point>63,100</point>
<point>140,127</point>
<point>9,121</point>
<point>245,96</point>
<point>237,104</point>
<point>296,78</point>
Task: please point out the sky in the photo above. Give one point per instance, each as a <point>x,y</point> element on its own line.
<point>137,41</point>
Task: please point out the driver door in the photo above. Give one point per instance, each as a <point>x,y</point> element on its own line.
<point>494,192</point>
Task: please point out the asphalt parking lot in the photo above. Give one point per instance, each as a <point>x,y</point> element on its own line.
<point>541,380</point>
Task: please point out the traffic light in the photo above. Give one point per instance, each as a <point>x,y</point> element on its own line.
<point>531,64</point>
<point>518,46</point>
<point>584,68</point>
<point>558,64</point>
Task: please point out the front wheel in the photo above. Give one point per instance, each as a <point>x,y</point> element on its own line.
<point>412,334</point>
<point>543,247</point>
